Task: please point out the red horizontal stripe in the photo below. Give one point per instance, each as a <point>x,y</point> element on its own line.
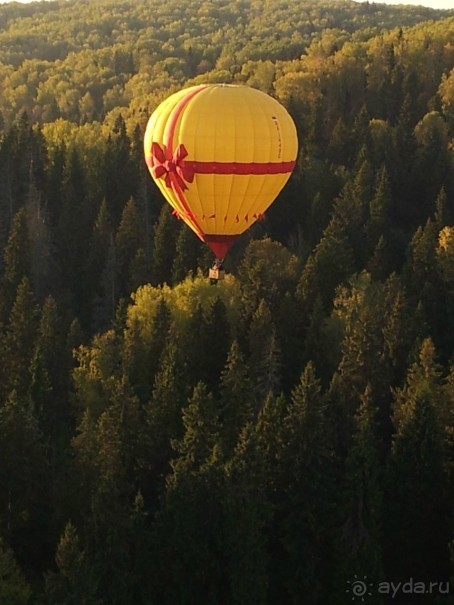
<point>240,167</point>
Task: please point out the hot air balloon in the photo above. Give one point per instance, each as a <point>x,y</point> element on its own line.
<point>220,154</point>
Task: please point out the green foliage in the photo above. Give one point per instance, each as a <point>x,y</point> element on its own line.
<point>416,472</point>
<point>263,441</point>
<point>24,501</point>
<point>128,56</point>
<point>14,589</point>
<point>71,584</point>
<point>362,531</point>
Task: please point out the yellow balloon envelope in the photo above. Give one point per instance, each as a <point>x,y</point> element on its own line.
<point>220,154</point>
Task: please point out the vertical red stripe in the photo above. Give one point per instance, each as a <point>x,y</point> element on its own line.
<point>168,142</point>
<point>175,114</point>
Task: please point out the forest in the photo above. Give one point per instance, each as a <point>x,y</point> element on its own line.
<point>283,438</point>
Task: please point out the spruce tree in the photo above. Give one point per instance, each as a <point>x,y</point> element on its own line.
<point>416,483</point>
<point>363,498</point>
<point>236,399</point>
<point>50,378</point>
<point>98,247</point>
<point>186,252</point>
<point>188,527</point>
<point>18,342</point>
<point>14,589</point>
<point>128,241</point>
<point>268,371</point>
<point>265,446</point>
<point>74,582</point>
<point>351,209</point>
<point>163,247</point>
<point>72,234</point>
<point>379,209</point>
<point>259,329</point>
<point>139,271</point>
<point>381,261</point>
<point>142,351</point>
<point>121,172</point>
<point>16,260</point>
<point>360,308</point>
<point>329,265</point>
<point>216,338</point>
<point>305,510</point>
<point>103,454</point>
<point>42,264</point>
<point>24,501</point>
<point>247,513</point>
<point>201,432</point>
<point>162,422</point>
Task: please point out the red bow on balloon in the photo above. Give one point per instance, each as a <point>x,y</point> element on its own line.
<point>173,168</point>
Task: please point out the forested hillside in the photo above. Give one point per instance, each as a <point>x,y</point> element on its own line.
<point>276,438</point>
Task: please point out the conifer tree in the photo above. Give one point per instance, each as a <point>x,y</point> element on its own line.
<point>42,263</point>
<point>186,252</point>
<point>54,178</point>
<point>318,348</point>
<point>72,233</point>
<point>360,308</point>
<point>107,298</point>
<point>188,527</point>
<point>139,271</point>
<point>163,247</point>
<point>381,261</point>
<point>265,354</point>
<point>268,371</point>
<point>49,377</point>
<point>139,577</point>
<point>416,482</point>
<point>331,263</point>
<point>162,421</point>
<point>351,209</point>
<point>445,266</point>
<point>399,329</point>
<point>420,270</point>
<point>128,240</point>
<point>432,163</point>
<point>363,498</point>
<point>74,582</point>
<point>99,246</point>
<point>247,513</point>
<point>264,442</point>
<point>103,463</point>
<point>443,212</point>
<point>447,424</point>
<point>206,343</point>
<point>24,504</point>
<point>216,339</point>
<point>201,432</point>
<point>19,341</point>
<point>425,283</point>
<point>195,345</point>
<point>379,208</point>
<point>23,154</point>
<point>16,260</point>
<point>121,174</point>
<point>142,352</point>
<point>236,399</point>
<point>306,508</point>
<point>259,329</point>
<point>14,589</point>
<point>402,167</point>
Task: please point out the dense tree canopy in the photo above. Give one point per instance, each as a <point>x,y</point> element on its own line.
<point>268,440</point>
